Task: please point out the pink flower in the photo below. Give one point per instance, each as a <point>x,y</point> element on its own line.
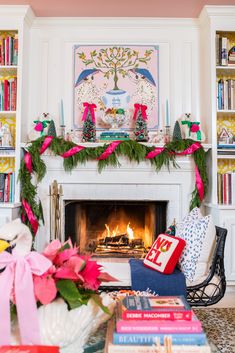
<point>91,274</point>
<point>44,288</point>
<point>194,128</point>
<point>52,249</point>
<point>71,269</point>
<point>39,126</point>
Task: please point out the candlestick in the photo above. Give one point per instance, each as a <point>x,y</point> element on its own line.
<point>167,114</point>
<point>62,113</point>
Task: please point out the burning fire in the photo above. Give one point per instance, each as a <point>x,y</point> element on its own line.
<point>116,231</point>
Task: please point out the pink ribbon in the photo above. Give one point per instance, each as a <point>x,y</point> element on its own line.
<point>109,150</point>
<point>143,108</point>
<point>86,110</point>
<point>199,184</point>
<point>190,150</point>
<point>28,162</point>
<point>155,152</point>
<point>72,151</point>
<point>17,279</point>
<point>46,144</point>
<point>31,216</point>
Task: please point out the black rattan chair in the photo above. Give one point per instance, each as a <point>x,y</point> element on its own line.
<point>198,295</point>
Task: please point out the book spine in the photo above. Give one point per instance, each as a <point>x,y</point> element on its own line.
<point>159,315</point>
<point>150,339</point>
<point>2,186</point>
<point>217,49</point>
<point>112,348</point>
<point>233,188</point>
<point>177,327</point>
<point>224,52</point>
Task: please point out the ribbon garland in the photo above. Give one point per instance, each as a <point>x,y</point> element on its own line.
<point>29,165</point>
<point>17,279</point>
<point>91,107</point>
<point>72,151</point>
<point>31,216</point>
<point>190,150</point>
<point>143,108</point>
<point>109,150</point>
<point>27,210</point>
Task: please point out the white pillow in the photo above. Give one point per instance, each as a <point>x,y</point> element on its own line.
<point>200,236</point>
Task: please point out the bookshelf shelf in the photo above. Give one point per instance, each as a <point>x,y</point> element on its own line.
<point>227,111</point>
<point>9,204</point>
<point>8,70</point>
<point>226,156</point>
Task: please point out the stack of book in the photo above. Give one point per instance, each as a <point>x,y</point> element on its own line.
<point>7,187</point>
<point>145,324</point>
<point>226,188</point>
<point>226,94</point>
<point>231,56</point>
<point>8,49</point>
<point>8,88</point>
<point>114,136</point>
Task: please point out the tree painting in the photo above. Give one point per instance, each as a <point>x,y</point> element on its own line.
<point>115,61</point>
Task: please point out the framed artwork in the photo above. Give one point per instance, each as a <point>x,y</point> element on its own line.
<point>114,78</point>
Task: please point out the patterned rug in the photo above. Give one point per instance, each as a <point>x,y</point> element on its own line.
<point>219,325</point>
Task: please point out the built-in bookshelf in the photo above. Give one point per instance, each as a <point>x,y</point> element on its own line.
<point>8,114</point>
<point>225,107</point>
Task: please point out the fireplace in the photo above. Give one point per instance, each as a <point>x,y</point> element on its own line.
<point>107,228</point>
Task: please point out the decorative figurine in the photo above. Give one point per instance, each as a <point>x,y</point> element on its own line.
<point>190,128</point>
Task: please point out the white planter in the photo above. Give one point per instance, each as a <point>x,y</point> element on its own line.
<point>69,329</point>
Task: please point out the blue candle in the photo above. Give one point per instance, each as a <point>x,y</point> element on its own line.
<point>61,113</point>
<point>167,114</point>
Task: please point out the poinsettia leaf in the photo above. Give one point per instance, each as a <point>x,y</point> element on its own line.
<point>68,290</point>
<point>64,247</point>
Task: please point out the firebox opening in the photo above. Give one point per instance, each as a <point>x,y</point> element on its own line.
<point>114,228</point>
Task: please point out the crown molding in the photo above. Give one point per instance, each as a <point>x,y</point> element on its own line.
<point>18,12</point>
<point>115,22</point>
<point>218,11</point>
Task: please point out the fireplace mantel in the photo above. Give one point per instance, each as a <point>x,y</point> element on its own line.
<point>130,181</point>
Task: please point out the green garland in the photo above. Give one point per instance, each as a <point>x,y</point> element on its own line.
<point>133,150</point>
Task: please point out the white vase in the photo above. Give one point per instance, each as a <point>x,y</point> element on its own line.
<point>69,329</point>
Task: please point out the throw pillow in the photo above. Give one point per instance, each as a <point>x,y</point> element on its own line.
<point>164,253</point>
<point>200,236</point>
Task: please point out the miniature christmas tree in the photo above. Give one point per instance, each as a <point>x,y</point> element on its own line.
<point>177,131</point>
<point>89,130</point>
<point>140,130</point>
<point>51,129</point>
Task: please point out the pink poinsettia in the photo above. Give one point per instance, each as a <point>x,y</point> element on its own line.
<point>69,274</point>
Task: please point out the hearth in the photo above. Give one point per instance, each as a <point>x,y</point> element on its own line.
<point>107,228</point>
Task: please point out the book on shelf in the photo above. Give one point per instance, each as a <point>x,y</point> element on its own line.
<point>8,88</point>
<point>225,50</point>
<point>226,188</point>
<point>155,308</point>
<point>225,94</point>
<point>110,347</point>
<point>7,187</point>
<point>8,49</point>
<point>157,326</point>
<point>147,339</point>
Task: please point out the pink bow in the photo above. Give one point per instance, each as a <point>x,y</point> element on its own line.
<point>92,110</point>
<point>143,108</point>
<point>17,279</point>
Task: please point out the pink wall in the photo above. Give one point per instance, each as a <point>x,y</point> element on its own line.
<point>122,8</point>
